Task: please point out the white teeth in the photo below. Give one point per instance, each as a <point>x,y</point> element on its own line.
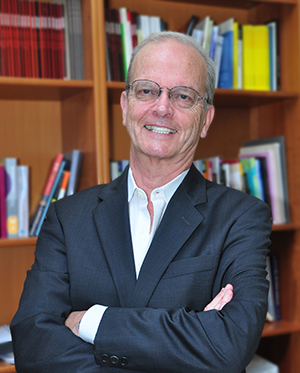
<point>160,129</point>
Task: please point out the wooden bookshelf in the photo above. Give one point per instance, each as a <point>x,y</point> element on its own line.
<point>41,117</point>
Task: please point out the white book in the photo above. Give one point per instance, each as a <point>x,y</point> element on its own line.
<point>275,173</point>
<point>260,365</point>
<point>10,165</point>
<point>23,200</point>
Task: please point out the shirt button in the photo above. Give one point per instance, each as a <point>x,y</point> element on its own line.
<point>139,194</point>
<point>141,231</point>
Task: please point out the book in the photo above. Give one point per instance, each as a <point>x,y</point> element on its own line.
<point>11,187</point>
<point>271,302</point>
<point>274,38</point>
<point>46,193</point>
<point>191,24</point>
<point>259,364</point>
<point>248,57</point>
<point>281,141</point>
<point>261,58</point>
<point>251,167</point>
<point>23,200</point>
<point>49,199</point>
<point>278,199</point>
<point>76,158</point>
<point>226,67</point>
<point>64,185</point>
<point>275,285</point>
<point>3,232</point>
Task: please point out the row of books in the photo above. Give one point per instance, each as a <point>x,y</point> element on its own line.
<point>14,199</point>
<point>259,170</point>
<point>124,30</point>
<point>245,56</point>
<point>40,39</point>
<point>62,181</point>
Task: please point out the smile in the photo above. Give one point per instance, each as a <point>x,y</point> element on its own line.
<point>162,130</point>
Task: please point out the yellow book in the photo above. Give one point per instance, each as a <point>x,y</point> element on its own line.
<point>261,58</point>
<point>248,57</point>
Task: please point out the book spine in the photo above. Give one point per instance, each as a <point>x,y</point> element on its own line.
<point>11,197</point>
<point>46,193</point>
<point>23,200</point>
<point>3,232</point>
<point>49,199</point>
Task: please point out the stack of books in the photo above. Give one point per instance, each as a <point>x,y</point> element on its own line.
<point>260,170</point>
<point>14,199</point>
<point>124,30</point>
<point>62,181</point>
<point>41,39</point>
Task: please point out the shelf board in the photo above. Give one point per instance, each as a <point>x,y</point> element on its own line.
<point>285,227</point>
<point>239,4</point>
<point>5,242</point>
<point>41,89</point>
<point>235,97</point>
<point>272,329</point>
<point>6,368</point>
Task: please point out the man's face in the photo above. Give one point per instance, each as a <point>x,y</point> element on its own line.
<point>158,129</point>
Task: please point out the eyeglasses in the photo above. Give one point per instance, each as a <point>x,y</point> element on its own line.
<point>148,91</point>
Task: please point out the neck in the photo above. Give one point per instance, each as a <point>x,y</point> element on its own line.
<point>152,173</point>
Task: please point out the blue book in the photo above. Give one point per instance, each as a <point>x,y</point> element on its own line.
<point>226,67</point>
<point>58,177</point>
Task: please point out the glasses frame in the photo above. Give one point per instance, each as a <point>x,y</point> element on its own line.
<point>130,86</point>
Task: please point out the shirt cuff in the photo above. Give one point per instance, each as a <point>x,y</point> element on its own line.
<point>90,322</point>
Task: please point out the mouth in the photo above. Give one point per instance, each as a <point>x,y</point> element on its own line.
<point>162,130</point>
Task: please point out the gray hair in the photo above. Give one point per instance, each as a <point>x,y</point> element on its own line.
<point>183,39</point>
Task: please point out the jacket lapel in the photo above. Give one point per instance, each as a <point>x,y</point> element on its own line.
<point>179,222</point>
<point>112,221</point>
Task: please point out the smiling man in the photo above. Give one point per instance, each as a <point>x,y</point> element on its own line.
<point>161,270</point>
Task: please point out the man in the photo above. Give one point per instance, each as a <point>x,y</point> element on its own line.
<point>128,275</point>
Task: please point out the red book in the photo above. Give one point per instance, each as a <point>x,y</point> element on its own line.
<point>1,44</point>
<point>46,193</point>
<point>3,232</point>
<point>11,69</point>
<point>14,20</point>
<point>52,39</point>
<point>33,40</point>
<point>22,38</point>
<point>61,41</point>
<point>42,39</point>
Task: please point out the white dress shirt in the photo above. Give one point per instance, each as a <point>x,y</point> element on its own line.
<point>141,233</point>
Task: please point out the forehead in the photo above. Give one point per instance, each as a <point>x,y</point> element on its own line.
<point>170,63</point>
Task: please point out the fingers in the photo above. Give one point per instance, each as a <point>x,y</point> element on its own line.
<point>221,299</point>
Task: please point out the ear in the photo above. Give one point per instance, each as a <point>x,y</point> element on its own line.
<point>209,116</point>
<point>123,102</point>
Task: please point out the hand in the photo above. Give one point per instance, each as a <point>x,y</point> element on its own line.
<point>73,320</point>
<point>219,301</point>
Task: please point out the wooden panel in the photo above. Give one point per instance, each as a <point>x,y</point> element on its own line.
<point>14,262</point>
<point>31,131</point>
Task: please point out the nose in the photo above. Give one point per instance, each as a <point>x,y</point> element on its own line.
<point>163,105</point>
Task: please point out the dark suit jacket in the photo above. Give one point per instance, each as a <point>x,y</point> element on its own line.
<point>209,236</point>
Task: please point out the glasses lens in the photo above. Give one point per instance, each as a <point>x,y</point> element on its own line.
<point>145,90</point>
<point>184,97</point>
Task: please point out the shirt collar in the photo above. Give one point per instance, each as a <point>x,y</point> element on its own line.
<point>168,189</point>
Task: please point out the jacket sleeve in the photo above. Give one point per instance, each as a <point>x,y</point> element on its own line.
<point>182,340</point>
<point>41,341</point>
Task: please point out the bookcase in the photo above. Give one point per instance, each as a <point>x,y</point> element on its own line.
<point>41,117</point>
